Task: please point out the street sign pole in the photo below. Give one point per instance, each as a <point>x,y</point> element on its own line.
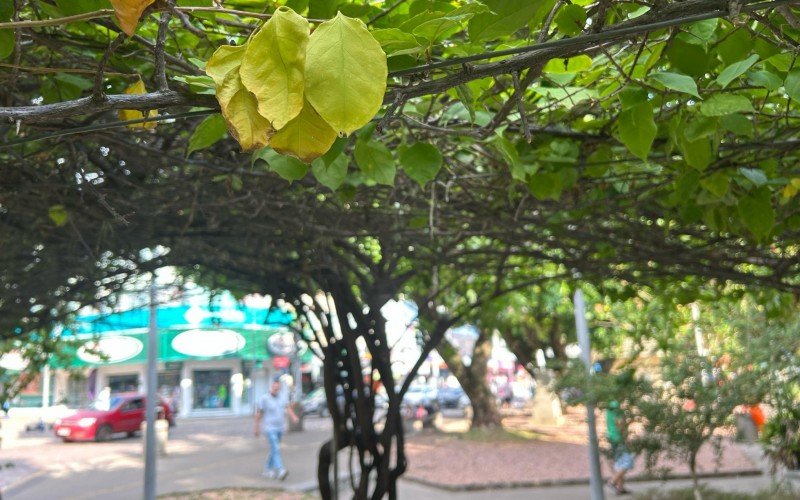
<point>595,479</point>
<point>150,406</point>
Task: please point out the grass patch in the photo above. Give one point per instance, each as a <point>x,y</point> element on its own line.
<point>712,494</point>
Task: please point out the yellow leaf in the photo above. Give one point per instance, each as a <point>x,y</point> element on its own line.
<point>789,191</point>
<point>128,13</point>
<point>240,110</point>
<point>345,73</point>
<point>307,137</point>
<point>273,66</point>
<point>224,60</point>
<point>135,114</point>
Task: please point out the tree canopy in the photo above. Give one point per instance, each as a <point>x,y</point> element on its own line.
<point>367,148</point>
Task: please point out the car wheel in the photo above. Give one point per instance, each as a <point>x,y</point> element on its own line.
<point>103,433</point>
<point>131,434</point>
<point>66,440</point>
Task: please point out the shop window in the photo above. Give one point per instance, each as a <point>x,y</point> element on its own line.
<point>123,383</point>
<point>212,389</point>
<point>169,387</point>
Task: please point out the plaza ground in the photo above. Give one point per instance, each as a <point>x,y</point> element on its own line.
<point>215,453</point>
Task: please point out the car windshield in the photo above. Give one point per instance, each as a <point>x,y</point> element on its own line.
<point>105,404</point>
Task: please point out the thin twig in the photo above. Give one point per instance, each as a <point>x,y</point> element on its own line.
<point>97,90</point>
<point>387,117</point>
<point>43,69</point>
<point>518,95</point>
<point>386,11</point>
<point>187,23</point>
<point>162,84</point>
<point>58,21</point>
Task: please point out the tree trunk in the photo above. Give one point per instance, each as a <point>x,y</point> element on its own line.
<point>698,495</point>
<point>472,378</point>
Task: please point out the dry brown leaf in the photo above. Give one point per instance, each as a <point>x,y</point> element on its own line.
<point>128,13</point>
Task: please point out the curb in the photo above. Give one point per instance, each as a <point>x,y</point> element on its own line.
<point>13,485</point>
<point>545,483</point>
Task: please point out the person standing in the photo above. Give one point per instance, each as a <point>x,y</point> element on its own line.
<point>623,459</point>
<point>271,420</point>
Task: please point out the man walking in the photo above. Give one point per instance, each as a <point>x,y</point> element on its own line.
<point>270,419</point>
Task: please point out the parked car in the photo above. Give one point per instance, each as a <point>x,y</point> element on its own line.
<point>315,403</point>
<point>421,395</point>
<point>452,397</point>
<point>104,418</point>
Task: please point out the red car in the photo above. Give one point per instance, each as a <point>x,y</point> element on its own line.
<point>120,413</point>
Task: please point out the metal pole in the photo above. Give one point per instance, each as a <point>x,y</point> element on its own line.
<point>595,479</point>
<point>150,407</point>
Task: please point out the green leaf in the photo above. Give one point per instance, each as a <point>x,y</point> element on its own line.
<point>568,65</point>
<point>688,58</point>
<point>792,84</point>
<point>288,167</point>
<point>754,175</point>
<point>738,124</point>
<point>544,185</point>
<point>396,42</point>
<point>375,160</point>
<point>273,66</point>
<point>207,133</point>
<point>421,162</point>
<point>725,104</point>
<point>506,18</point>
<point>697,153</point>
<point>307,136</point>
<point>700,126</point>
<point>345,73</point>
<point>736,70</point>
<point>756,212</point>
<point>766,79</point>
<point>6,10</point>
<point>571,19</point>
<point>465,96</point>
<point>717,184</point>
<point>58,214</point>
<point>735,46</point>
<point>637,129</point>
<point>6,43</point>
<point>72,7</point>
<point>510,154</point>
<point>331,174</point>
<point>676,81</point>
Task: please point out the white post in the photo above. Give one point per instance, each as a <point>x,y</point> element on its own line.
<point>698,333</point>
<point>150,406</point>
<point>595,479</point>
<point>46,387</point>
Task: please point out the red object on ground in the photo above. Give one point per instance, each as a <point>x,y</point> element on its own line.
<point>121,413</point>
<point>757,414</point>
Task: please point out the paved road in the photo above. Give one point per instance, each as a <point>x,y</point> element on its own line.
<point>222,452</point>
<point>202,454</point>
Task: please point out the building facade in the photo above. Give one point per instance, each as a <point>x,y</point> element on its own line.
<point>211,360</point>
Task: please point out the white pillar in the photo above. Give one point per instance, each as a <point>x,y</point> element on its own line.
<point>186,391</point>
<point>237,389</point>
<point>46,387</point>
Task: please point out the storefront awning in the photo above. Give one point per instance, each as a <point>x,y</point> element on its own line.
<point>184,333</point>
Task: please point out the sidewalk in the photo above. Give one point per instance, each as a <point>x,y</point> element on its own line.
<point>218,453</point>
<point>203,454</point>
